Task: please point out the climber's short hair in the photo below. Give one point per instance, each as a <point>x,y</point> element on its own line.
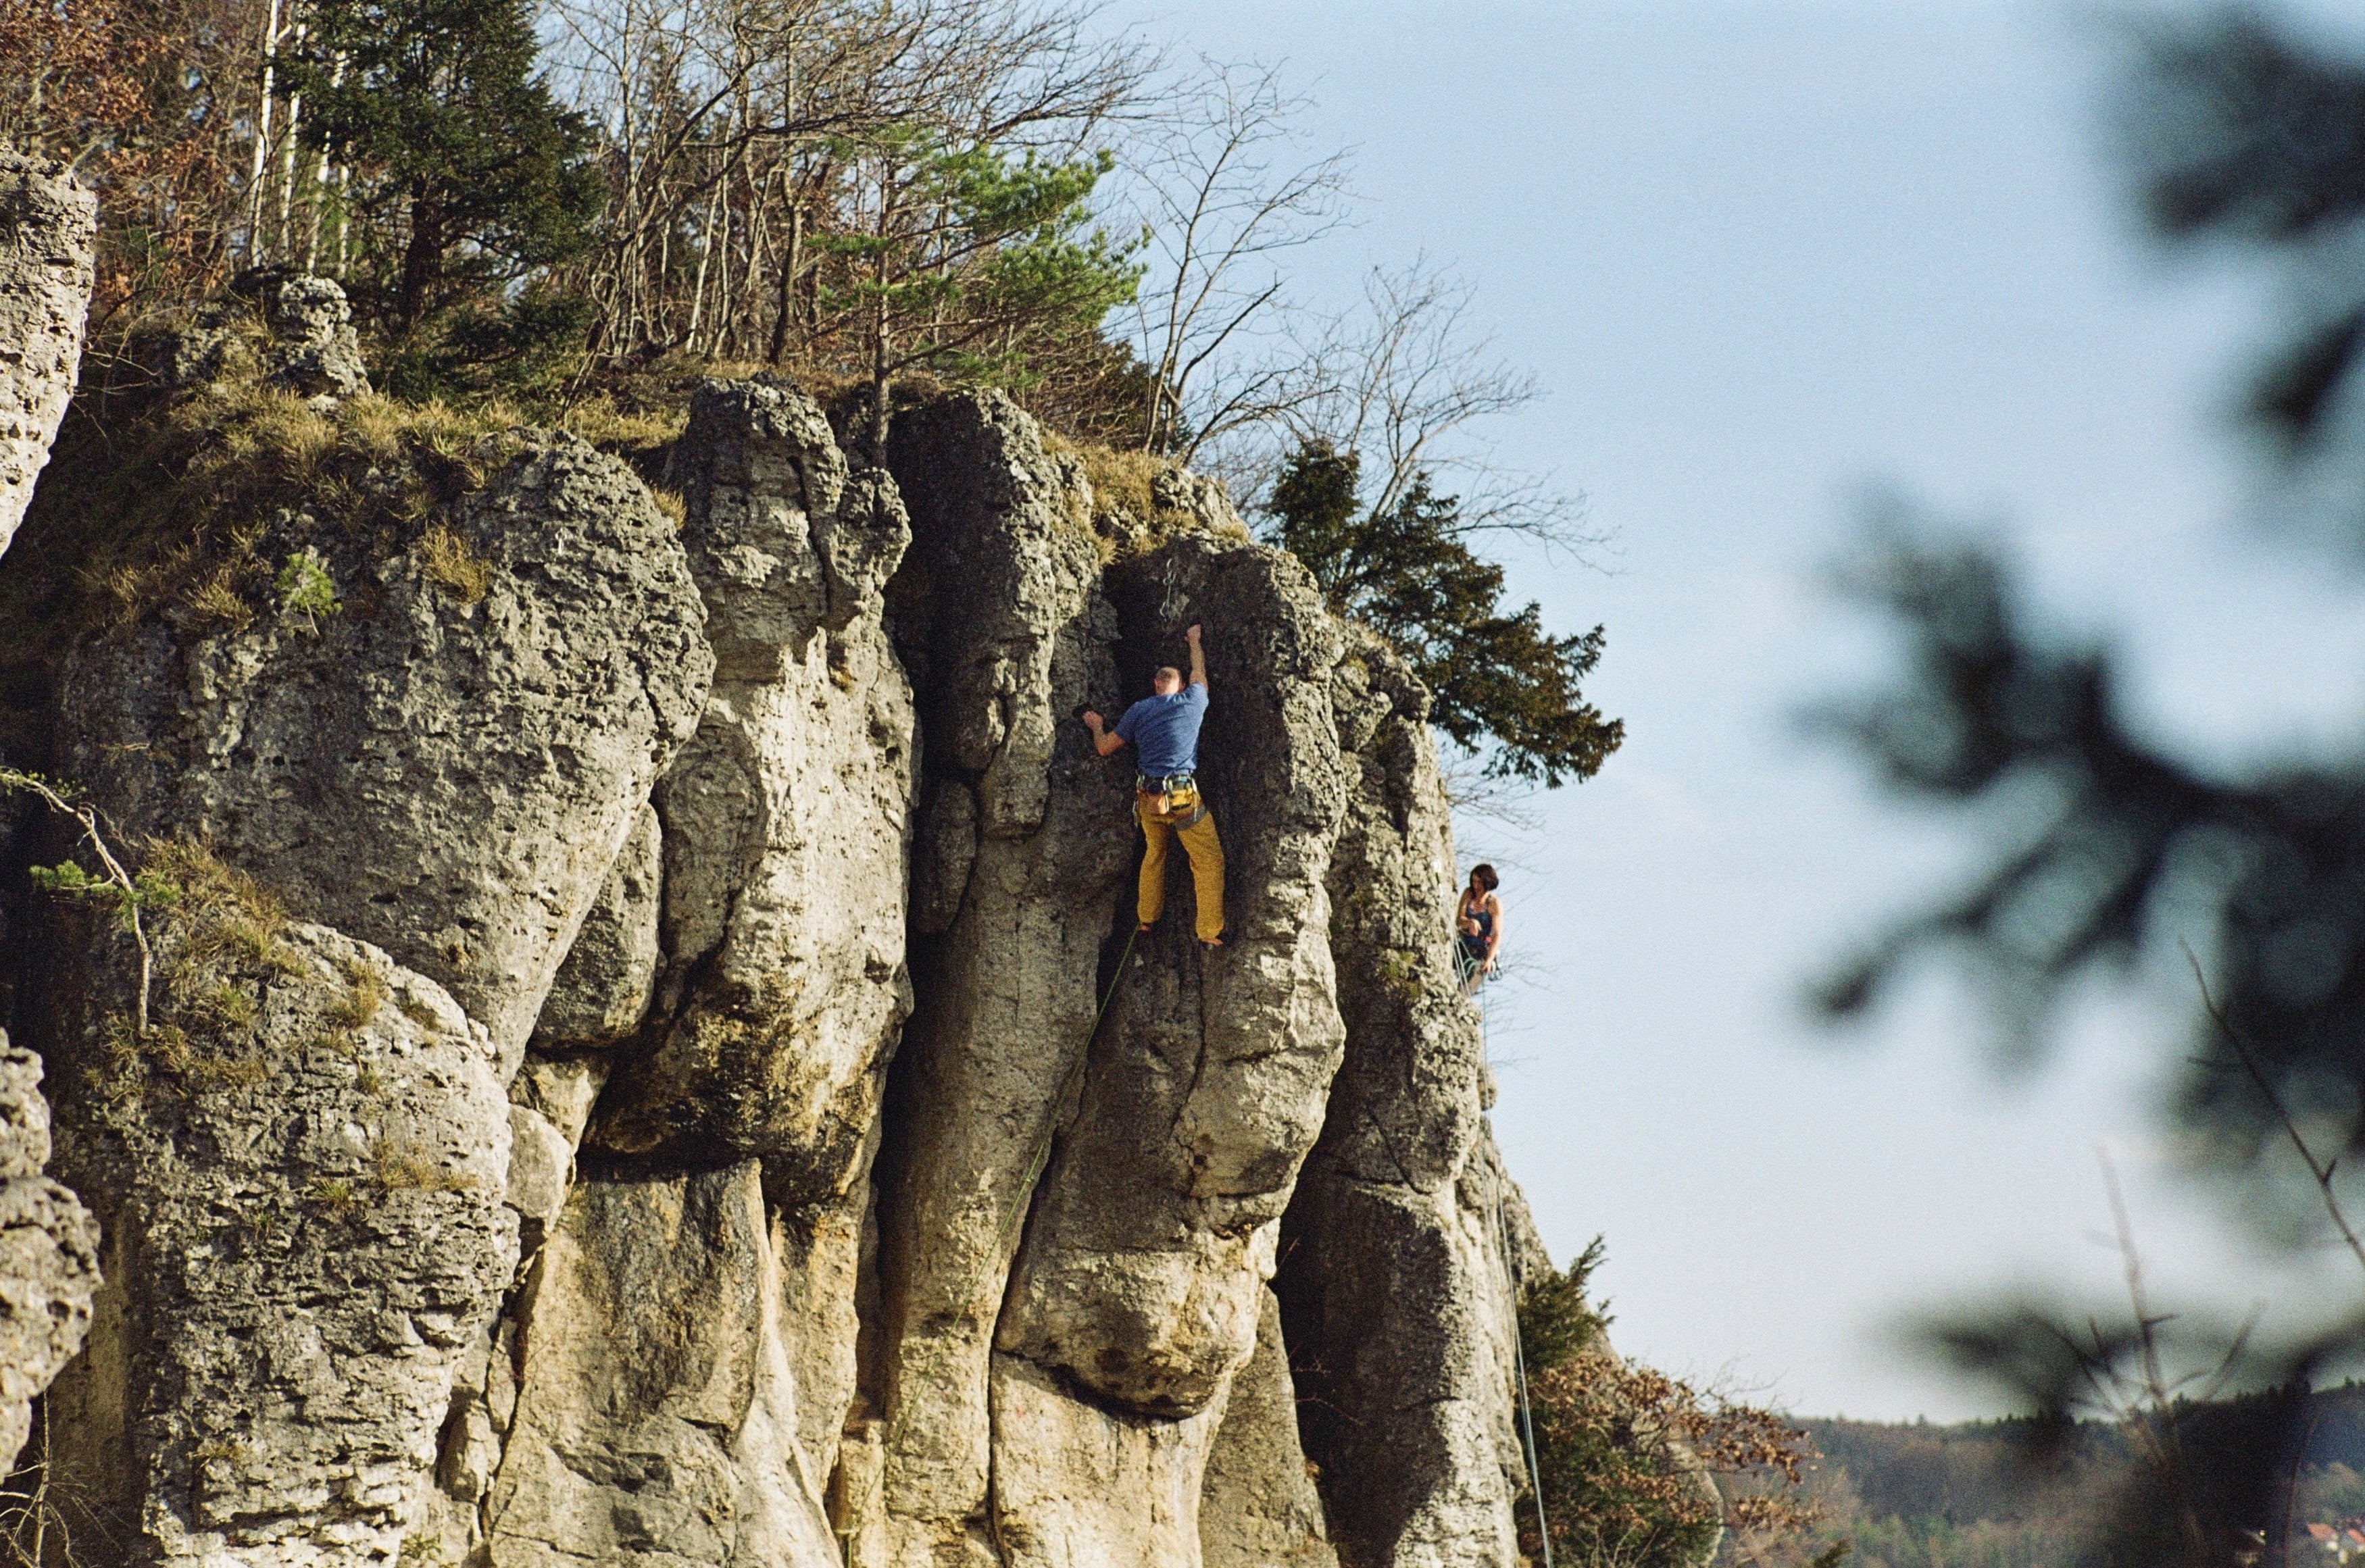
<point>1483,875</point>
<point>1166,669</point>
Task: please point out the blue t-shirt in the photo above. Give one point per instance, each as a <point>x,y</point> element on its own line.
<point>1165,730</point>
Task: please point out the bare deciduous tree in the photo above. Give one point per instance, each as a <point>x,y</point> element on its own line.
<point>744,134</point>
<point>1401,381</point>
<point>1224,184</point>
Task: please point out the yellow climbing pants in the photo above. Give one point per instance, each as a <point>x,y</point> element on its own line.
<point>1199,842</point>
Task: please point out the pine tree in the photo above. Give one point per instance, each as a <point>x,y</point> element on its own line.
<point>1407,573</point>
<point>964,256</point>
<point>466,172</point>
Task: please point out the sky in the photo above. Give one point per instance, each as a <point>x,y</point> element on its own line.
<point>1766,258</point>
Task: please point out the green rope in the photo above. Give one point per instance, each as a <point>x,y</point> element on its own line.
<point>1042,1155</point>
<point>1526,1411</point>
<point>1519,1352</point>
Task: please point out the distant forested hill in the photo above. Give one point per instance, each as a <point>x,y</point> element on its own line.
<point>1969,1495</point>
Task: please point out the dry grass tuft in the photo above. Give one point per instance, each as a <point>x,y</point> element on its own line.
<point>452,565</point>
<point>612,429</point>
<point>1128,515</point>
<point>1122,479</point>
<point>418,1012</point>
<point>402,1169</point>
<point>365,994</point>
<point>214,598</point>
<point>223,917</point>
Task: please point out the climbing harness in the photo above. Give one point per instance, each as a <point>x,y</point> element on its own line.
<point>1175,792</point>
<point>1519,1352</point>
<point>1470,952</point>
<point>1042,1155</point>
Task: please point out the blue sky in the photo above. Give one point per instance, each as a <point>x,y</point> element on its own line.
<point>1764,257</point>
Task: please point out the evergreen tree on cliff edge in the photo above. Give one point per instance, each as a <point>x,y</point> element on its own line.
<point>1405,571</point>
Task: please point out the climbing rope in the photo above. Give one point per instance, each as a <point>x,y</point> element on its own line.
<point>1519,1352</point>
<point>1042,1155</point>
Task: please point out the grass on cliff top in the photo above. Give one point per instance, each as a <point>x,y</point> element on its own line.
<point>1125,516</point>
<point>223,504</point>
<point>188,506</point>
<point>206,507</point>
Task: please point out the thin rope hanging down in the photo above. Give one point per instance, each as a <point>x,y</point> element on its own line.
<point>1519,1352</point>
<point>1042,1155</point>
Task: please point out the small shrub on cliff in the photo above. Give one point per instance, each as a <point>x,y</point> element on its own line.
<point>215,938</point>
<point>305,589</point>
<point>1642,1470</point>
<point>1558,1318</point>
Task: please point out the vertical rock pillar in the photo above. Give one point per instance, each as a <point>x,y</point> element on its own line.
<point>1022,854</point>
<point>1396,1306</point>
<point>48,222</point>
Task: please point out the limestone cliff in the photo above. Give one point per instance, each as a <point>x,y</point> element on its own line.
<point>49,1242</point>
<point>648,1061</point>
<point>47,225</point>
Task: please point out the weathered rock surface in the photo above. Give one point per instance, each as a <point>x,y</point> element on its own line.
<point>49,1252</point>
<point>1397,1308</point>
<point>1142,1275</point>
<point>1258,1507</point>
<point>1234,1049</point>
<point>726,1162</point>
<point>302,1197</point>
<point>602,991</point>
<point>313,1194</point>
<point>1023,856</point>
<point>726,1019</point>
<point>655,1417</point>
<point>316,352</point>
<point>787,819</point>
<point>450,780</point>
<point>47,224</point>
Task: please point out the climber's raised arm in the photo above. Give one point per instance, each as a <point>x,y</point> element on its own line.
<point>1198,658</point>
<point>1104,741</point>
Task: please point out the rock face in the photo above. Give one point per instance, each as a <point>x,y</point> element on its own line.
<point>307,1169</point>
<point>688,1332</point>
<point>302,1200</point>
<point>1142,1275</point>
<point>49,1252</point>
<point>316,352</point>
<point>1259,1505</point>
<point>1396,1305</point>
<point>786,820</point>
<point>998,618</point>
<point>655,1413</point>
<point>446,776</point>
<point>48,222</point>
<point>651,1063</point>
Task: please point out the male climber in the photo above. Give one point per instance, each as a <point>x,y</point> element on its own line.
<point>1164,730</point>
